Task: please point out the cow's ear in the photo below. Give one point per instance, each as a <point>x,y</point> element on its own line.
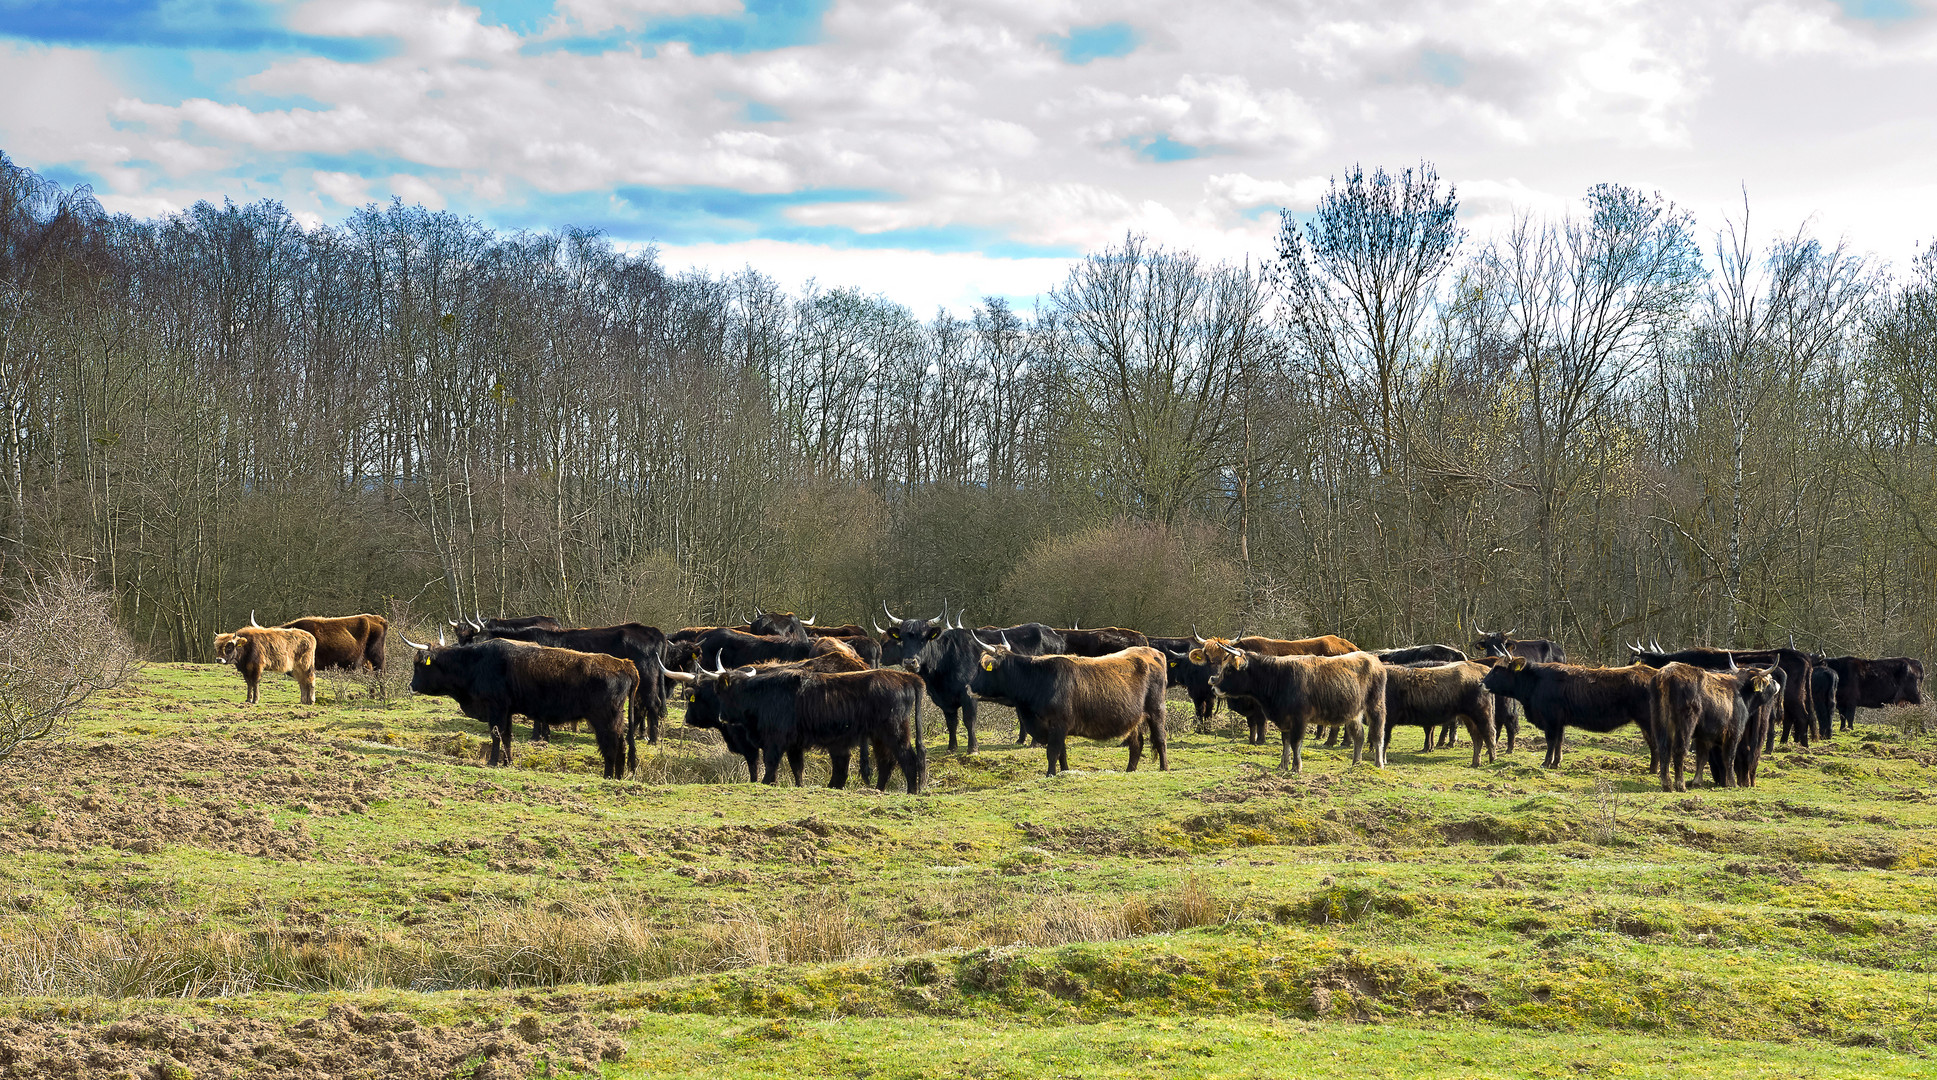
<point>988,662</point>
<point>1197,656</point>
<point>424,659</point>
<point>934,632</point>
<point>1519,663</point>
<point>894,634</point>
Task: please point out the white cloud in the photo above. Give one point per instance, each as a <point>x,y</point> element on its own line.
<point>964,117</point>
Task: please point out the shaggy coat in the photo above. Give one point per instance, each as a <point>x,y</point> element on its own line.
<point>1114,698</point>
<point>642,645</point>
<point>830,656</point>
<point>350,642</point>
<point>466,632</point>
<point>1503,645</point>
<point>253,650</point>
<point>948,663</point>
<point>726,647</point>
<point>1102,641</point>
<point>1875,684</point>
<point>1557,696</point>
<point>1798,716</point>
<point>1194,677</point>
<point>1421,654</point>
<point>493,679</point>
<point>1703,713</point>
<point>787,709</point>
<point>1296,692</point>
<point>1439,696</point>
<point>1824,682</point>
<point>1327,645</point>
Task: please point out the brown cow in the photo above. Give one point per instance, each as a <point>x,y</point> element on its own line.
<point>1297,691</point>
<point>1705,712</point>
<point>253,650</point>
<point>1324,645</point>
<point>348,642</point>
<point>1114,698</point>
<point>1438,695</point>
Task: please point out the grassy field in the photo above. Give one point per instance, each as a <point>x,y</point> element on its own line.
<point>195,888</point>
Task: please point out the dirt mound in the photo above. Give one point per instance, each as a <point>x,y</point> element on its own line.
<point>346,1042</point>
<point>215,795</point>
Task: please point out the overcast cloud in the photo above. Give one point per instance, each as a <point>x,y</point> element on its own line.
<point>938,152</point>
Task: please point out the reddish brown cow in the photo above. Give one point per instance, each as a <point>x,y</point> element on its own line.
<point>253,650</point>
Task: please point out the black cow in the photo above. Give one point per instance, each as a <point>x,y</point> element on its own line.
<point>1114,698</point>
<point>1195,678</point>
<point>948,663</point>
<point>1502,644</point>
<point>1102,641</point>
<point>1421,654</point>
<point>1023,639</point>
<point>729,648</point>
<point>1824,682</point>
<point>641,644</point>
<point>1557,696</point>
<point>1875,684</point>
<point>1798,718</point>
<point>468,630</point>
<point>903,639</point>
<point>787,709</point>
<point>491,680</point>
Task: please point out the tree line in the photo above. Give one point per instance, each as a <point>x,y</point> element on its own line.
<point>1599,426</point>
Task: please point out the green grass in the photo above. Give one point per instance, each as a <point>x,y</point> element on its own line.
<point>1218,919</point>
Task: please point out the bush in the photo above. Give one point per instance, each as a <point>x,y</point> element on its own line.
<point>1146,577</point>
<point>58,645</point>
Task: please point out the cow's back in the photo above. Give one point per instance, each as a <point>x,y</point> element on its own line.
<point>1324,645</point>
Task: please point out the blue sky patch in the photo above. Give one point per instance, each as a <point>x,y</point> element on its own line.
<point>759,112</point>
<point>762,26</point>
<point>228,25</point>
<point>1086,43</point>
<point>1162,148</point>
<point>1881,11</point>
<point>1446,69</point>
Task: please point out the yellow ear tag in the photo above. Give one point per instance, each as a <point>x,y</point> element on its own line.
<point>1197,656</point>
<point>988,663</point>
<point>424,660</point>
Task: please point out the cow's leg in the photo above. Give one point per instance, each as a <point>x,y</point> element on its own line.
<point>306,685</point>
<point>1135,743</point>
<point>869,762</point>
<point>753,765</point>
<point>1849,716</point>
<point>797,762</point>
<point>1153,722</point>
<point>1554,736</point>
<point>770,755</point>
<point>1049,748</point>
<point>837,773</point>
<point>949,714</point>
<point>1331,737</point>
<point>1448,735</point>
<point>631,753</point>
<point>968,722</point>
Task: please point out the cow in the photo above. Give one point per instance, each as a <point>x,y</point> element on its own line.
<point>780,624</point>
<point>1797,715</point>
<point>1172,645</point>
<point>1102,641</point>
<point>1764,704</point>
<point>1024,639</point>
<point>1875,684</point>
<point>1506,711</point>
<point>642,645</point>
<point>1824,682</point>
<point>1195,678</point>
<point>786,709</point>
<point>1325,645</point>
<point>1300,690</point>
<point>1503,644</point>
<point>253,650</point>
<point>467,631</point>
<point>947,664</point>
<point>1557,696</point>
<point>347,643</point>
<point>829,656</point>
<point>1114,698</point>
<point>1440,695</point>
<point>1704,713</point>
<point>492,679</point>
<point>1421,654</point>
<point>729,648</point>
<point>903,639</point>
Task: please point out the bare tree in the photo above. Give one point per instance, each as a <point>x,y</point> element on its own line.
<point>59,644</point>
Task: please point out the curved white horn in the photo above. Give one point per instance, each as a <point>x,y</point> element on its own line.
<point>1194,635</point>
<point>889,614</point>
<point>718,668</point>
<point>454,622</point>
<point>252,619</point>
<point>478,625</point>
<point>440,639</point>
<point>412,644</point>
<point>876,625</point>
<point>1657,645</point>
<point>1731,656</point>
<point>681,676</point>
<point>942,618</point>
<point>810,621</point>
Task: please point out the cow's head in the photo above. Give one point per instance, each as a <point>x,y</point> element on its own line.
<point>902,640</point>
<point>226,646</point>
<point>426,674</point>
<point>1493,644</point>
<point>466,630</point>
<point>1910,686</point>
<point>702,691</point>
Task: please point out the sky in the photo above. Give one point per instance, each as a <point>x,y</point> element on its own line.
<point>940,152</point>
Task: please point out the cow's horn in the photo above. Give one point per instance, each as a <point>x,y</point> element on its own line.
<point>889,614</point>
<point>718,668</point>
<point>942,618</point>
<point>1657,645</point>
<point>809,621</point>
<point>440,639</point>
<point>1731,656</point>
<point>1195,636</point>
<point>1509,633</point>
<point>252,619</point>
<point>681,676</point>
<point>876,625</point>
<point>412,644</point>
<point>1004,635</point>
<point>979,643</point>
<point>478,625</point>
<point>454,622</point>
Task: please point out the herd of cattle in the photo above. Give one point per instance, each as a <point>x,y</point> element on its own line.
<point>779,685</point>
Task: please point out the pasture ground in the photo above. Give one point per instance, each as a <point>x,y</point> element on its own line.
<point>193,887</point>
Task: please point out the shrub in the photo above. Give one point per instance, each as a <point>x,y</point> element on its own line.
<point>1133,574</point>
<point>58,645</point>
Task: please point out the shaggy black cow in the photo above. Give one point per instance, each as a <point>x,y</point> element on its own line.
<point>1102,641</point>
<point>1875,684</point>
<point>1421,654</point>
<point>1024,639</point>
<point>1503,645</point>
<point>491,680</point>
<point>1706,714</point>
<point>903,639</point>
<point>1557,696</point>
<point>1824,682</point>
<point>729,648</point>
<point>829,657</point>
<point>1195,678</point>
<point>1295,692</point>
<point>1432,696</point>
<point>1114,698</point>
<point>947,664</point>
<point>1798,717</point>
<point>786,709</point>
<point>468,630</point>
<point>641,644</point>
